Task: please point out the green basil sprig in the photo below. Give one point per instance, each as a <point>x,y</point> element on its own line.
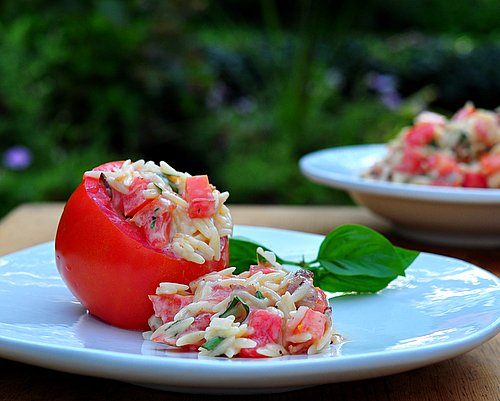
<point>351,258</point>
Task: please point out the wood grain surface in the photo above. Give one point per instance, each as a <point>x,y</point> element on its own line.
<point>474,376</point>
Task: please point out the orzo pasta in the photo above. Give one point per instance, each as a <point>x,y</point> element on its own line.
<point>181,213</point>
<point>264,312</point>
<point>463,151</point>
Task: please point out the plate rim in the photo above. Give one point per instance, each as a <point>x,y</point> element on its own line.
<point>303,370</point>
<point>355,183</point>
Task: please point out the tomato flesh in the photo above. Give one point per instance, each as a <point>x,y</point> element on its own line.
<point>420,134</point>
<point>313,323</point>
<point>108,263</point>
<point>134,200</point>
<point>200,197</point>
<point>266,327</point>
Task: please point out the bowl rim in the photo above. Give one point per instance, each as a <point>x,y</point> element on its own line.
<point>332,167</point>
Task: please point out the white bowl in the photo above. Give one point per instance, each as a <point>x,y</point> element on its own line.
<point>442,215</point>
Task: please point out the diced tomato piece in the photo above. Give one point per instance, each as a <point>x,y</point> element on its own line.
<point>490,164</point>
<point>446,168</point>
<point>219,293</point>
<point>420,134</point>
<point>316,300</point>
<point>474,180</point>
<point>442,164</point>
<point>321,301</point>
<point>200,198</point>
<point>134,200</point>
<point>411,162</point>
<point>259,268</point>
<point>464,113</point>
<point>431,118</point>
<point>486,129</point>
<point>313,323</point>
<point>166,306</point>
<point>266,327</point>
<point>201,322</point>
<point>155,219</point>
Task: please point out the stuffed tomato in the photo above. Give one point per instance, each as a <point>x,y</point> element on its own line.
<point>131,225</point>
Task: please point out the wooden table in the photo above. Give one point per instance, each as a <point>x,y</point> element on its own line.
<point>474,376</point>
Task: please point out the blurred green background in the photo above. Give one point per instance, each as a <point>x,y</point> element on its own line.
<point>236,89</point>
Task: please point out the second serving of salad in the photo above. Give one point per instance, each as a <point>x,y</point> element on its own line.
<point>462,151</point>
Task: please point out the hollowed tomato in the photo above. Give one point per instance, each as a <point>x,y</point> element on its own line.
<point>106,261</point>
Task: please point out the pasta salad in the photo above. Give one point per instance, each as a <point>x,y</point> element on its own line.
<point>463,151</point>
<point>263,312</point>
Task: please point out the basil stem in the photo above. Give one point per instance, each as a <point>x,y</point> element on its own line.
<point>351,258</point>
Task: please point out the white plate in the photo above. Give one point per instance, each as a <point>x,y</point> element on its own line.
<point>442,308</point>
<point>445,215</point>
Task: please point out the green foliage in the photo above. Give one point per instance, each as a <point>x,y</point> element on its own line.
<point>210,90</point>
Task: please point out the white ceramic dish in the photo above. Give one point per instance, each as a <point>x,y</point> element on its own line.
<point>444,215</point>
<point>442,308</point>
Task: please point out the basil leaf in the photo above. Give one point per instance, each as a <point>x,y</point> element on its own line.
<point>407,256</point>
<point>233,309</point>
<point>243,254</point>
<point>360,259</point>
<point>212,343</point>
<point>352,258</point>
<point>338,283</point>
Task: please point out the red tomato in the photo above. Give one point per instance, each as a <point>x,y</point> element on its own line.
<point>464,113</point>
<point>490,164</point>
<point>420,134</point>
<point>442,164</point>
<point>316,301</point>
<point>166,306</point>
<point>154,218</point>
<point>259,268</point>
<point>134,200</point>
<point>201,322</point>
<point>474,180</point>
<point>313,323</point>
<point>411,162</point>
<point>200,197</point>
<point>446,168</point>
<point>266,328</point>
<point>107,262</point>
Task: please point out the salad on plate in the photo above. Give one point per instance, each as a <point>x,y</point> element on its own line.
<point>143,246</point>
<point>462,151</point>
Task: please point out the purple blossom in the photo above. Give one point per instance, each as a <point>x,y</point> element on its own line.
<point>385,86</point>
<point>17,157</point>
<point>382,83</point>
<point>216,96</point>
<point>391,100</point>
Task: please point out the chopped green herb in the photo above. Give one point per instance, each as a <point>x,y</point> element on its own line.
<point>233,309</point>
<point>212,343</point>
<point>153,218</point>
<point>259,295</point>
<point>170,183</point>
